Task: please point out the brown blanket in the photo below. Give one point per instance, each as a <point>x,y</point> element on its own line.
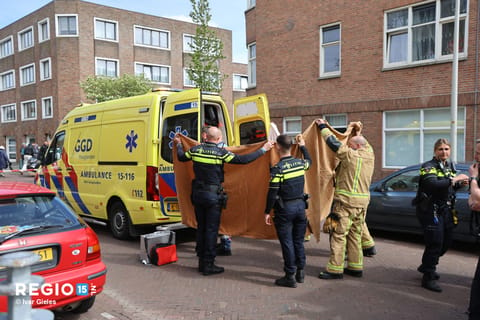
<point>247,186</point>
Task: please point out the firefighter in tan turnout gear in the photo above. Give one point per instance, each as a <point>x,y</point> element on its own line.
<point>350,202</point>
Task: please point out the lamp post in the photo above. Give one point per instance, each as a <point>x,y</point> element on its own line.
<point>454,97</point>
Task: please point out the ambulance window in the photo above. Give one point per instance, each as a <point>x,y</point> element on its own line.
<point>54,151</point>
<point>186,124</point>
<point>252,132</point>
<point>213,116</point>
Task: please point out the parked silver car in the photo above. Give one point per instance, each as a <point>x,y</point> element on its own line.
<point>391,209</point>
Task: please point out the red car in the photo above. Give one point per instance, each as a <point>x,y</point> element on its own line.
<point>32,218</point>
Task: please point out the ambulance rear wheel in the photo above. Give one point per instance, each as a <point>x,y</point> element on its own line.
<point>119,221</point>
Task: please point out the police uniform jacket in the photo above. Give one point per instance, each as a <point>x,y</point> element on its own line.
<point>355,171</point>
<point>208,160</point>
<point>287,179</point>
<point>436,180</point>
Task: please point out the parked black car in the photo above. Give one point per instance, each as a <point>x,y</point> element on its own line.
<point>391,209</point>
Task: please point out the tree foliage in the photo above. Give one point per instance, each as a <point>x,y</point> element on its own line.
<point>100,88</point>
<point>207,50</point>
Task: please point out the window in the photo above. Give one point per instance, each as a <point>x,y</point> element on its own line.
<point>43,30</point>
<point>106,30</point>
<point>252,64</point>
<point>47,107</point>
<point>292,126</point>
<point>330,50</point>
<point>29,110</point>
<point>6,47</point>
<point>337,121</point>
<point>67,25</point>
<point>187,82</point>
<point>12,149</point>
<point>155,73</point>
<point>409,135</point>
<point>7,80</point>
<point>106,67</point>
<point>25,38</point>
<point>187,43</point>
<point>423,33</point>
<point>152,37</point>
<point>240,82</point>
<point>9,112</point>
<point>54,151</point>
<point>45,69</point>
<point>27,74</point>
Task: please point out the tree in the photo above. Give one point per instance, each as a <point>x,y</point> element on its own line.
<point>207,51</point>
<point>101,88</point>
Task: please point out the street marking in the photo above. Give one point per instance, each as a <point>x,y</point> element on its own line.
<point>107,315</point>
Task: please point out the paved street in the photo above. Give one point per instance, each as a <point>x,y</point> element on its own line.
<point>390,288</point>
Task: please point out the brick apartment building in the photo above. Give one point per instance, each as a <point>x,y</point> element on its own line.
<point>387,63</point>
<point>45,55</point>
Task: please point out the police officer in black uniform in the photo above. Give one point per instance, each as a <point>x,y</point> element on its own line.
<point>435,209</point>
<point>208,196</point>
<point>286,196</point>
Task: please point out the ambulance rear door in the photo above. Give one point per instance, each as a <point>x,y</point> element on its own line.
<point>251,119</point>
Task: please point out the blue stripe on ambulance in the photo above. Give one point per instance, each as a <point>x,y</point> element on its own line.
<point>76,197</point>
<point>186,105</point>
<point>59,188</point>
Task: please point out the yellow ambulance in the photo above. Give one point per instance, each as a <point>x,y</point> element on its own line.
<point>112,161</point>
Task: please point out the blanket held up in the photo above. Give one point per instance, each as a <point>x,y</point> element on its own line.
<point>247,186</point>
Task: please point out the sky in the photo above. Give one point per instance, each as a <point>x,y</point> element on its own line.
<point>226,14</point>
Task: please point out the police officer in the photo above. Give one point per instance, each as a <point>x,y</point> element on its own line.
<point>434,207</point>
<point>207,191</point>
<point>286,196</point>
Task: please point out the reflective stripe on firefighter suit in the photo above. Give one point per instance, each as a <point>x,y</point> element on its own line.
<point>351,200</point>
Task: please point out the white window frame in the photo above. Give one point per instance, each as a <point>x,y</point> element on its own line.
<point>187,47</point>
<point>105,21</point>
<point>241,77</point>
<point>44,113</point>
<point>7,41</point>
<point>12,72</point>
<point>142,44</point>
<point>48,63</point>
<point>22,80</point>
<point>336,126</point>
<point>11,148</point>
<point>117,64</point>
<point>144,64</point>
<point>187,82</point>
<point>285,125</point>
<point>22,109</point>
<point>419,126</point>
<point>45,22</point>
<point>252,64</point>
<point>21,34</point>
<point>408,30</point>
<point>3,109</point>
<point>325,45</point>
<point>57,25</point>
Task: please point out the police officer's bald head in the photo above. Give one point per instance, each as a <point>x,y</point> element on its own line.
<point>214,135</point>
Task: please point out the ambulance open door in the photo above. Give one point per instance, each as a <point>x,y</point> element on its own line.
<point>251,119</point>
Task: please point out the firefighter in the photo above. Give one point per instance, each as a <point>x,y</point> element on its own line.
<point>435,203</point>
<point>351,198</point>
<point>208,196</point>
<point>286,196</point>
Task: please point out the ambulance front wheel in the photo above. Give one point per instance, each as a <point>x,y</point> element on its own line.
<point>119,221</point>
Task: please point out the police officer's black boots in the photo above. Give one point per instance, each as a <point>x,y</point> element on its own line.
<point>300,276</point>
<point>210,268</point>
<point>201,265</point>
<point>429,283</point>
<point>286,281</point>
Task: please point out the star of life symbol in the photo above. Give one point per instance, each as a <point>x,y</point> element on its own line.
<point>172,134</point>
<point>131,141</point>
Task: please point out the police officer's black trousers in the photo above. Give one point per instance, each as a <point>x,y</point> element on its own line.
<point>437,234</point>
<point>207,213</point>
<point>291,224</point>
<point>474,308</point>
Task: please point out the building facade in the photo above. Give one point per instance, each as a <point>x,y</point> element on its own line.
<point>45,55</point>
<point>386,63</point>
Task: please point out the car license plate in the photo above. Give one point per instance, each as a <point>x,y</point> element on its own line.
<point>173,207</point>
<point>46,254</point>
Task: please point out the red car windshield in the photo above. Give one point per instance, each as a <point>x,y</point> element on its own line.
<point>33,214</point>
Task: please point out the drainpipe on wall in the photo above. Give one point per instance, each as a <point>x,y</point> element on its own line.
<point>475,106</point>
